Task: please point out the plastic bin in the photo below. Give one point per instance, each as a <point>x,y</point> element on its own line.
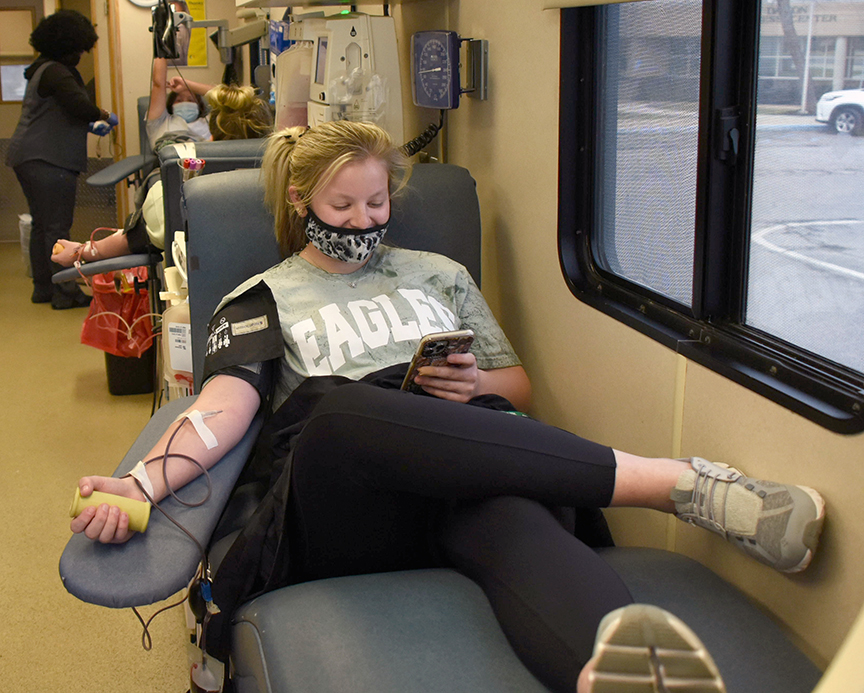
<point>131,376</point>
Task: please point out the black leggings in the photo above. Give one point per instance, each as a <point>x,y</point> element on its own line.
<point>50,192</point>
<point>385,480</point>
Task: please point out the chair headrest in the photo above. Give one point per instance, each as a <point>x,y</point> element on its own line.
<point>249,150</point>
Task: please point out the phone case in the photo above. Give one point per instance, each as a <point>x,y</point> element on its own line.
<point>433,351</point>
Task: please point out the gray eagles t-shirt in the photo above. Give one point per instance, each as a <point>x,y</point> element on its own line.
<point>354,324</point>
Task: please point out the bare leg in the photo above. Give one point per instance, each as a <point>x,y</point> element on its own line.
<point>642,482</point>
<point>583,685</point>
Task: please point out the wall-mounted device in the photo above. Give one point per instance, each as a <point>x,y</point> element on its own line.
<point>435,69</point>
<point>355,71</point>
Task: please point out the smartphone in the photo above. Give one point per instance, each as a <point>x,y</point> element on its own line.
<point>433,351</point>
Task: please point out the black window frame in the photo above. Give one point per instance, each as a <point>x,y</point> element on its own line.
<point>712,333</point>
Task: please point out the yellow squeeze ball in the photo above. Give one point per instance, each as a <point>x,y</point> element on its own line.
<point>138,511</point>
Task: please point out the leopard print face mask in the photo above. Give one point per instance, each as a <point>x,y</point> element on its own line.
<point>347,245</point>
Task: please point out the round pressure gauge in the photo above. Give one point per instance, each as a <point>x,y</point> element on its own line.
<point>435,69</point>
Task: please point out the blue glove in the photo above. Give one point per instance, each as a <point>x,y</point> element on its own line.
<point>100,127</point>
<point>103,127</point>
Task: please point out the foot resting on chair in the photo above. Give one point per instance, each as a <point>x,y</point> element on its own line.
<point>777,524</point>
<point>644,649</point>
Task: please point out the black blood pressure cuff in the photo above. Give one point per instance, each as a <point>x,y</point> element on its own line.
<point>259,375</point>
<point>243,333</point>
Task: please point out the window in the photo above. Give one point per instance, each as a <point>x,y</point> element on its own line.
<point>774,59</point>
<point>855,61</point>
<point>15,52</point>
<point>702,203</point>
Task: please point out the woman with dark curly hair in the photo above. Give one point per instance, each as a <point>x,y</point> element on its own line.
<point>49,147</point>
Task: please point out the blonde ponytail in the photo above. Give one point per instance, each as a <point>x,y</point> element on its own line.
<point>276,173</point>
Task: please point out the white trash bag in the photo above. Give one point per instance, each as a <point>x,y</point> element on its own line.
<point>25,224</point>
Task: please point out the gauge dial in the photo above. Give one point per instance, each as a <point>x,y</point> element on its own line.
<point>435,69</point>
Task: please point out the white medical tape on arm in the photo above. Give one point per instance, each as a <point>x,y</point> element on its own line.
<point>197,419</point>
<point>185,150</point>
<point>139,472</point>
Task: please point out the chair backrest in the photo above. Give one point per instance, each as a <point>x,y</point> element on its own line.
<point>230,233</point>
<point>225,155</point>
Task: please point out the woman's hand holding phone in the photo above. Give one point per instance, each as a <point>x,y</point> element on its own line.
<point>444,367</point>
<point>457,381</point>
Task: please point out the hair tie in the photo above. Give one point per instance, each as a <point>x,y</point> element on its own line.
<point>291,139</point>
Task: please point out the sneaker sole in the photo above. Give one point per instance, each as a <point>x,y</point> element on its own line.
<point>811,531</point>
<point>644,649</point>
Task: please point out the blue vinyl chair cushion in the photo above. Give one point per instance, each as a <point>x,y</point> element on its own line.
<point>434,630</point>
<point>420,631</point>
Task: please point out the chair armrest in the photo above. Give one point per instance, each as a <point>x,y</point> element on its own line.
<point>121,170</point>
<point>158,563</point>
<point>111,264</point>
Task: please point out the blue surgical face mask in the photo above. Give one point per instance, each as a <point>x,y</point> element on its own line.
<point>187,110</point>
<point>347,245</point>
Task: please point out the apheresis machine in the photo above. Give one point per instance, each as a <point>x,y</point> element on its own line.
<point>344,67</point>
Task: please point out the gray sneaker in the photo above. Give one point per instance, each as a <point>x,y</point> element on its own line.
<point>777,524</point>
<point>644,649</point>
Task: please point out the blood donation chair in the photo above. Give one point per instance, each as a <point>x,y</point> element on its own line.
<point>133,169</point>
<point>224,155</point>
<point>136,167</point>
<point>417,631</point>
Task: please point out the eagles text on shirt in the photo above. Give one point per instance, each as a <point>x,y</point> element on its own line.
<point>365,325</point>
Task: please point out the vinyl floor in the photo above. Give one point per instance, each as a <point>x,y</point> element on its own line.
<point>58,422</point>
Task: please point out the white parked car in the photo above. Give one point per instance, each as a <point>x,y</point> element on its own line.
<point>842,110</point>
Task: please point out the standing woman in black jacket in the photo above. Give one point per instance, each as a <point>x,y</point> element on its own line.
<point>49,147</point>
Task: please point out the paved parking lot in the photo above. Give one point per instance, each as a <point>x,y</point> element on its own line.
<point>807,256</point>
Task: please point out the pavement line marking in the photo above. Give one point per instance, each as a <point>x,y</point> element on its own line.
<point>759,237</point>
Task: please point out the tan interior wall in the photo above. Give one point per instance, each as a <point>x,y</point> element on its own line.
<point>596,377</point>
<point>12,200</point>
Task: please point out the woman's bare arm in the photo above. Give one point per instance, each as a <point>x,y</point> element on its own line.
<point>234,399</point>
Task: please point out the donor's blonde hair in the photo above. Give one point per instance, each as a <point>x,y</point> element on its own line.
<point>236,113</point>
<point>308,159</point>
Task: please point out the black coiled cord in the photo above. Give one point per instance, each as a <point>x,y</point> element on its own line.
<point>415,145</point>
